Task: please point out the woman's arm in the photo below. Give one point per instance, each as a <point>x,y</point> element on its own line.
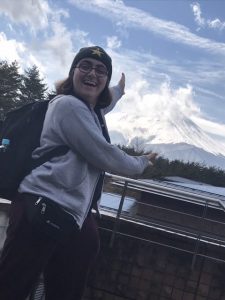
<point>75,125</point>
<point>117,92</point>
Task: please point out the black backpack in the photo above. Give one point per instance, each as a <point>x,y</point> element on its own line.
<point>20,135</point>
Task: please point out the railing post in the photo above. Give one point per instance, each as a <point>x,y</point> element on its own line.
<point>116,224</point>
<point>199,236</point>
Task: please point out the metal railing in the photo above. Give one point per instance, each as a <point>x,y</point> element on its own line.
<point>198,236</point>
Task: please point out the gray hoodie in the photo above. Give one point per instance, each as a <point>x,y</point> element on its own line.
<point>70,179</point>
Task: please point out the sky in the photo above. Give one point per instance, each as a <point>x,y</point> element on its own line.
<point>171,51</point>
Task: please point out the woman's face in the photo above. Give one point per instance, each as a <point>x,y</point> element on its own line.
<point>89,79</point>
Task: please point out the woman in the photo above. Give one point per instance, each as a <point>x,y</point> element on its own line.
<point>75,118</point>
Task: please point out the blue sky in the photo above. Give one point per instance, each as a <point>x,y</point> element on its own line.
<point>172,52</point>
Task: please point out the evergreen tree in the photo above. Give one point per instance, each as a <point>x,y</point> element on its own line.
<point>10,85</point>
<point>33,88</point>
<point>164,168</point>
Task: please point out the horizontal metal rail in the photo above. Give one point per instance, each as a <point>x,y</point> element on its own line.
<point>204,199</point>
<point>173,191</point>
<point>164,245</point>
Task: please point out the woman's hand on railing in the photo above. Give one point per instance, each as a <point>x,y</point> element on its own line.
<point>151,157</point>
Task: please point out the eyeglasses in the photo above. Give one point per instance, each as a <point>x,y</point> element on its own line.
<point>100,71</point>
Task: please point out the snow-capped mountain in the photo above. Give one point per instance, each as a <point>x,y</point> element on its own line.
<point>183,130</point>
<point>173,138</point>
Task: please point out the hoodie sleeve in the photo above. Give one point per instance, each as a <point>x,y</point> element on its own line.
<point>116,96</point>
<point>75,124</point>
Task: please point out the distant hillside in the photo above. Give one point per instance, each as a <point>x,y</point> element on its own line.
<point>188,153</point>
<point>191,170</point>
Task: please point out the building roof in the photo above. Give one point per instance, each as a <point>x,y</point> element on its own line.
<point>196,187</point>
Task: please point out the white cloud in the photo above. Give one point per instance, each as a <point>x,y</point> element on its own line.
<point>59,43</point>
<point>216,130</point>
<point>169,115</point>
<point>216,24</point>
<point>113,42</point>
<point>148,107</point>
<point>197,14</point>
<point>130,17</point>
<point>202,22</point>
<point>52,50</point>
<point>11,49</point>
<point>212,127</point>
<point>56,52</point>
<point>52,55</point>
<point>203,75</point>
<point>141,108</point>
<point>33,13</point>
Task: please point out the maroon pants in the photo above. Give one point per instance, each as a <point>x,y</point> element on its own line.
<point>27,253</point>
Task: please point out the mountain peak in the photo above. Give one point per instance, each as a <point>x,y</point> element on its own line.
<point>174,138</point>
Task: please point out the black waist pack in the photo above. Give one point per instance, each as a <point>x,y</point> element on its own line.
<point>47,217</point>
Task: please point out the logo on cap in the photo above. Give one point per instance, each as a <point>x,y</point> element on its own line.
<point>97,52</point>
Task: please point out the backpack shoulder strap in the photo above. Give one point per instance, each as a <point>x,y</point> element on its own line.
<point>58,151</point>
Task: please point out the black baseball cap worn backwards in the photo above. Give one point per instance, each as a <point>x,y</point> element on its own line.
<point>97,53</point>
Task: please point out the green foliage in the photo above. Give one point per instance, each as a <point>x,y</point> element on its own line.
<point>33,88</point>
<point>10,86</point>
<point>194,171</point>
<point>18,89</point>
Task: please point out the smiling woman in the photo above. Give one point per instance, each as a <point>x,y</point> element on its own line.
<point>68,186</point>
